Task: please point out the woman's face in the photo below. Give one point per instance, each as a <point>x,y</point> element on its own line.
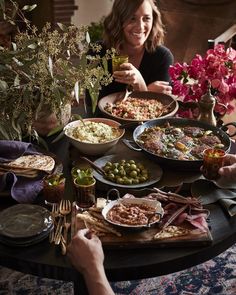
<point>138,27</point>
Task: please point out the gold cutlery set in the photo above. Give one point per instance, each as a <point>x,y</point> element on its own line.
<point>59,234</point>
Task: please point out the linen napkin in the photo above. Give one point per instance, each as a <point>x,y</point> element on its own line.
<point>22,189</point>
<point>208,193</point>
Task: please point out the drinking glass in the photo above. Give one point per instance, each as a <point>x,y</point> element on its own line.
<point>53,188</point>
<point>118,60</point>
<point>213,159</point>
<point>85,194</point>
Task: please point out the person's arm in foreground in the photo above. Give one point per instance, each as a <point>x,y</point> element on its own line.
<point>86,255</point>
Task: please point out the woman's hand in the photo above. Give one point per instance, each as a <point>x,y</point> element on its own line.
<point>131,76</point>
<point>161,87</point>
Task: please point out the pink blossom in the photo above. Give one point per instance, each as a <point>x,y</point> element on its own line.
<point>216,69</point>
<point>220,85</point>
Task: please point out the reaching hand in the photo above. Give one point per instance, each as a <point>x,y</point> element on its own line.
<point>228,172</point>
<point>85,251</point>
<point>161,87</point>
<point>86,254</point>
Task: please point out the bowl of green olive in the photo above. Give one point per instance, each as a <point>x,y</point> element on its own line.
<point>127,171</point>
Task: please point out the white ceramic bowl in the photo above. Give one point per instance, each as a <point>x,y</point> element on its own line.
<point>92,149</point>
<point>154,204</point>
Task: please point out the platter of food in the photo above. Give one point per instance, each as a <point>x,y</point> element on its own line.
<point>127,171</point>
<point>178,223</point>
<point>138,107</point>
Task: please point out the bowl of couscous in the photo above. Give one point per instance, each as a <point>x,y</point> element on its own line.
<point>93,136</point>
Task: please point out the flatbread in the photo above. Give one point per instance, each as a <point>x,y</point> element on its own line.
<point>38,162</point>
<point>172,231</point>
<point>28,175</point>
<point>103,225</point>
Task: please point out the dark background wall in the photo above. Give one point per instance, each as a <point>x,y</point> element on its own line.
<point>189,26</point>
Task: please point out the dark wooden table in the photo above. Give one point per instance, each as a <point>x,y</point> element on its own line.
<point>45,260</point>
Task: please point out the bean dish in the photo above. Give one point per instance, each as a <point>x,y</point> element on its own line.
<point>132,214</point>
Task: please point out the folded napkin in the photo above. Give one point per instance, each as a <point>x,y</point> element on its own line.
<point>22,189</point>
<point>209,193</point>
<point>11,150</point>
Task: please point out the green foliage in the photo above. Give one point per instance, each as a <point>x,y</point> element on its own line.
<point>45,69</point>
<point>95,30</point>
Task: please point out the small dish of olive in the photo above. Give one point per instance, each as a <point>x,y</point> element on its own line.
<point>127,171</point>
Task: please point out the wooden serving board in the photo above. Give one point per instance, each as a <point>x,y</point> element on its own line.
<point>144,238</point>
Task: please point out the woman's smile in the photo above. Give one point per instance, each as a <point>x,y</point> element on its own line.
<point>139,26</point>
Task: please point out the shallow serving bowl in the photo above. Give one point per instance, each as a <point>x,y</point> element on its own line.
<point>167,101</point>
<point>92,149</point>
<point>154,204</point>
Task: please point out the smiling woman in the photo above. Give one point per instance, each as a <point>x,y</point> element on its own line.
<point>135,28</point>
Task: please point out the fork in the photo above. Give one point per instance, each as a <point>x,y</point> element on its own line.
<point>54,214</point>
<point>66,228</point>
<point>64,209</point>
<point>64,236</point>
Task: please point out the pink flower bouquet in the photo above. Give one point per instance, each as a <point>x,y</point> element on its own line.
<point>217,70</point>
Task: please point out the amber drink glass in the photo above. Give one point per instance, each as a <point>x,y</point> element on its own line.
<point>213,159</point>
<point>118,60</point>
<point>85,194</point>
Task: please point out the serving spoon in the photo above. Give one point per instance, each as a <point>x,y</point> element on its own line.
<point>128,91</point>
<point>99,169</point>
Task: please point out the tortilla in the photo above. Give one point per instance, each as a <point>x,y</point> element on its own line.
<point>38,162</point>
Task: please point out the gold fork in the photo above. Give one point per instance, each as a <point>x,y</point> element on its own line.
<point>64,236</point>
<point>64,209</point>
<point>54,214</point>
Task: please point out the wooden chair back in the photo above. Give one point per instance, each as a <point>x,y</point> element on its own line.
<point>228,38</point>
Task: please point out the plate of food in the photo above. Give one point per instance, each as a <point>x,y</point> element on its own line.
<point>138,106</point>
<point>127,171</point>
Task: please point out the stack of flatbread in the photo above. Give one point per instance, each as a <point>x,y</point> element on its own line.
<point>94,221</point>
<point>29,165</point>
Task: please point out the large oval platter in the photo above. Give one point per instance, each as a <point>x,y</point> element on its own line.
<point>154,170</point>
